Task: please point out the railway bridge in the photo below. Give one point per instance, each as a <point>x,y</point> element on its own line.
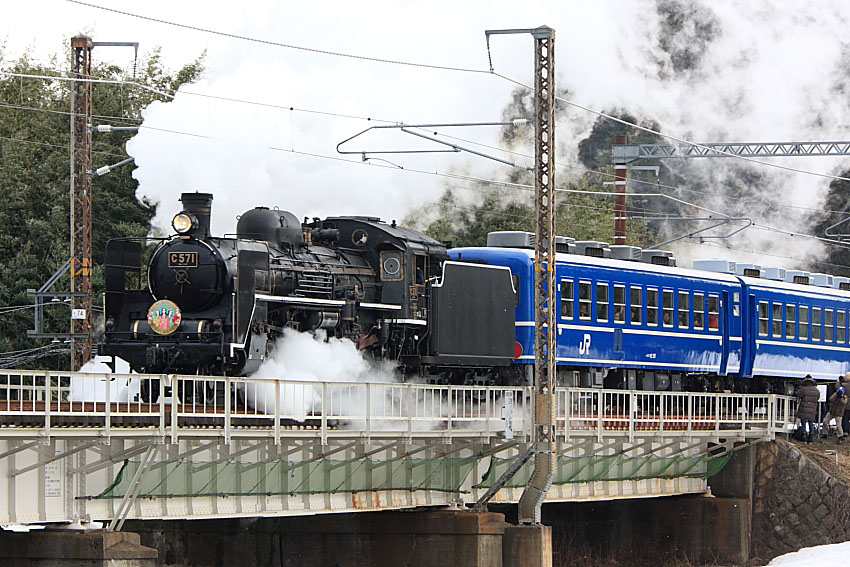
<point>81,450</point>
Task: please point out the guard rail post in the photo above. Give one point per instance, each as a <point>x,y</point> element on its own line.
<point>227,408</point>
<point>276,409</point>
<point>324,421</point>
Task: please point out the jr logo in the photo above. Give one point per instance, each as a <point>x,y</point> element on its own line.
<point>584,345</point>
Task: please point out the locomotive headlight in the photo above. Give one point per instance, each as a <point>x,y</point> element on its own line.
<point>184,222</point>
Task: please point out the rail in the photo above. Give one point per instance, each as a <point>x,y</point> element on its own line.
<point>63,404</point>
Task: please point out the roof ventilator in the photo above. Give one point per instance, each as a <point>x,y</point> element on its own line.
<point>593,248</point>
<point>511,239</point>
<point>658,257</point>
<point>773,273</point>
<point>715,265</point>
<point>748,270</point>
<point>797,277</point>
<point>822,280</point>
<point>564,245</point>
<point>623,252</point>
<point>841,282</point>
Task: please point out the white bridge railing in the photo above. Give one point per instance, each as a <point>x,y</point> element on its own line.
<point>66,404</point>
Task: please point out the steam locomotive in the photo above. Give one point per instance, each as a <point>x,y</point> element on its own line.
<point>217,305</point>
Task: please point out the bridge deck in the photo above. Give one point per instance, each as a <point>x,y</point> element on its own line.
<point>90,448</point>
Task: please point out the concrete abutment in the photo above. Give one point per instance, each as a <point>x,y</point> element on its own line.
<point>72,548</point>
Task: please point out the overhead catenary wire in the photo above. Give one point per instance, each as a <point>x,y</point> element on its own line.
<point>283,45</point>
<point>449,175</point>
<point>342,115</point>
<point>490,71</point>
<point>292,150</point>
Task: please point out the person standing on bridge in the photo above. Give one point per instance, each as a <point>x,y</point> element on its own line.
<point>807,410</point>
<point>837,403</point>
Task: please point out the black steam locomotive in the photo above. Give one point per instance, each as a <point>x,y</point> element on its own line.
<point>216,305</point>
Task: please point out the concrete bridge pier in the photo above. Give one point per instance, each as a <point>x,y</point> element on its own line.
<point>449,538</point>
<point>74,548</point>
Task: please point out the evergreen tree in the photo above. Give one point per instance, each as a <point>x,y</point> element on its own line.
<point>35,184</point>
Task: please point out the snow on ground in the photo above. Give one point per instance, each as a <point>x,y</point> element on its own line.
<point>820,556</point>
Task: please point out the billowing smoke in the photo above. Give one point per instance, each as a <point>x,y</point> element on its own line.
<point>327,376</point>
<point>313,358</point>
<point>93,388</point>
<point>709,71</point>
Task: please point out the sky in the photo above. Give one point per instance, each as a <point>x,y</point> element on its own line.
<point>772,70</point>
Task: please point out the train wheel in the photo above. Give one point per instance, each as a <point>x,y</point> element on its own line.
<point>205,392</point>
<point>149,390</point>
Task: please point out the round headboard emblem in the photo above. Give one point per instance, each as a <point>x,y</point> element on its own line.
<point>164,317</point>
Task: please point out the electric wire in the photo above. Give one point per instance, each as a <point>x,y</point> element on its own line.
<point>284,45</point>
<point>291,150</point>
<point>66,112</point>
<point>677,138</point>
<point>11,139</point>
<point>458,138</point>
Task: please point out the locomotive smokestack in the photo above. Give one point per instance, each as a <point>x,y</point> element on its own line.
<point>200,205</point>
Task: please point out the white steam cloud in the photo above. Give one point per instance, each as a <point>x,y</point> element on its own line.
<point>308,357</point>
<point>321,375</point>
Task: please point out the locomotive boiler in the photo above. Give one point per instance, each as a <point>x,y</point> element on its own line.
<point>200,304</point>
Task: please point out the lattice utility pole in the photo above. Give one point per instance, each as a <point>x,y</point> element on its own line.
<point>545,324</point>
<point>544,282</point>
<point>81,202</point>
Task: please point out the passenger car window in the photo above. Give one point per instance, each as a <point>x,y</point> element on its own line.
<point>790,321</point>
<point>584,301</point>
<point>636,305</point>
<point>777,320</point>
<point>619,304</point>
<point>840,326</point>
<point>567,299</point>
<point>804,322</point>
<point>763,318</point>
<point>602,302</point>
<point>684,309</point>
<point>713,312</point>
<point>652,307</point>
<point>667,307</point>
<point>828,325</point>
<point>816,324</point>
<point>699,311</point>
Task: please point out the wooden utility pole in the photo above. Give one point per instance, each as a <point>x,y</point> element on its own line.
<point>81,202</point>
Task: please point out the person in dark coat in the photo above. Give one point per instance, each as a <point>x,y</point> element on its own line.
<point>845,422</point>
<point>808,408</point>
<point>837,403</point>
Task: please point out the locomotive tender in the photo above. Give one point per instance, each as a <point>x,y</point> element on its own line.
<point>216,305</point>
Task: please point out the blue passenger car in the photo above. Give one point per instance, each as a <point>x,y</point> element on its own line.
<point>633,325</point>
<point>796,330</point>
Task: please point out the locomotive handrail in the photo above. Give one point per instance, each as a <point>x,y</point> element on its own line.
<point>66,404</point>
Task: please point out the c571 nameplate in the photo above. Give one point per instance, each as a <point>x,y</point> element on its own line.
<point>182,259</point>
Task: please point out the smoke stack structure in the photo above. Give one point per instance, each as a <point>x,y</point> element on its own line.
<point>200,205</point>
